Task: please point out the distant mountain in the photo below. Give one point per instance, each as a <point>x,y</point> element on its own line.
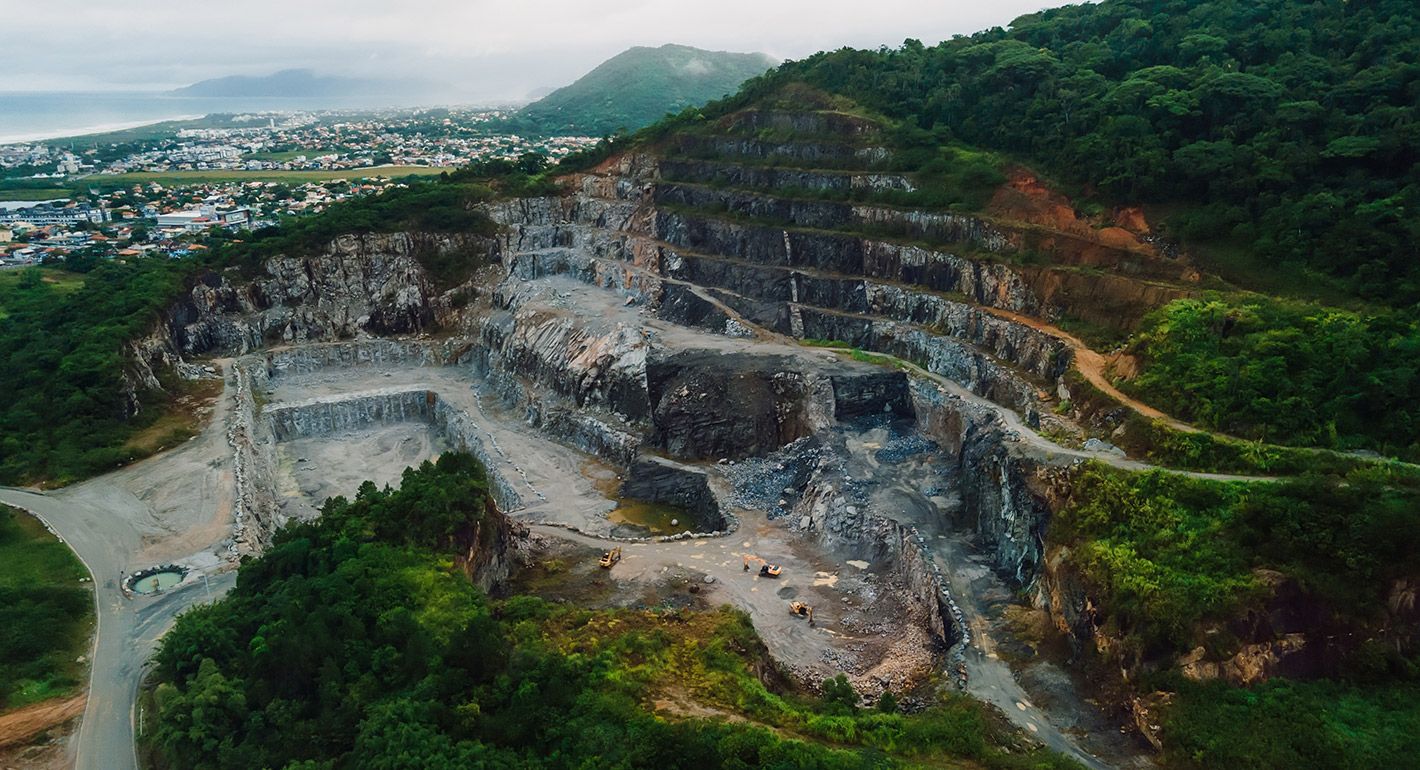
<point>639,86</point>
<point>300,82</point>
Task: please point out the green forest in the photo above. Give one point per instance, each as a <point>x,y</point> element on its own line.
<point>354,642</point>
<point>1286,129</point>
<point>1285,371</point>
<point>67,412</point>
<point>1172,561</point>
<point>637,87</point>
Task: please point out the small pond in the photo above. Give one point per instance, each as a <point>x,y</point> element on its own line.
<point>155,582</point>
<point>651,518</point>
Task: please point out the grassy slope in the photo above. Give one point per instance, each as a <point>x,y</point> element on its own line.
<point>46,614</point>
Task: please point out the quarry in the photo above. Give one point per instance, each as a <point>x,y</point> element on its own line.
<point>673,360</point>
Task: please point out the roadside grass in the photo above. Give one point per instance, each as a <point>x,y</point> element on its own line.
<point>46,613</point>
<point>857,354</point>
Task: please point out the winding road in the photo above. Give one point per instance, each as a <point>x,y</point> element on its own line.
<point>172,507</point>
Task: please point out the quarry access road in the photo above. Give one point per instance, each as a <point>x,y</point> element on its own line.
<point>174,506</point>
<point>128,628</point>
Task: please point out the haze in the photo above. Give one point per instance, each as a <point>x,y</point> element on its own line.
<point>483,50</point>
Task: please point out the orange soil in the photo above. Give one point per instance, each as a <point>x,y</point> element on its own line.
<point>21,725</point>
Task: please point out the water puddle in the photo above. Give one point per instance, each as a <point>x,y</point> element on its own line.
<point>655,518</point>
<point>156,582</point>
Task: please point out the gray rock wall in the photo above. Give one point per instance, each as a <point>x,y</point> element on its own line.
<point>659,480</point>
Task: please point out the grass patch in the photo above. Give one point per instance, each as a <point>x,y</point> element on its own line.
<point>857,354</point>
<point>178,421</point>
<point>46,613</point>
<point>35,194</point>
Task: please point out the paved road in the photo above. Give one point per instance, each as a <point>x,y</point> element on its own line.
<point>128,628</point>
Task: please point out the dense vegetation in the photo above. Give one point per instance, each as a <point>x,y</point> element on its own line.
<point>1286,372</point>
<point>1167,552</point>
<point>1288,128</point>
<point>638,87</point>
<point>65,413</point>
<point>1293,724</point>
<point>46,613</point>
<point>353,642</point>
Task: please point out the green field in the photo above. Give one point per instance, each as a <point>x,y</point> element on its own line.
<point>46,613</point>
<point>35,194</point>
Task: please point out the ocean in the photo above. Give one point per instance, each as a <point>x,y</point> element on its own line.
<point>33,115</point>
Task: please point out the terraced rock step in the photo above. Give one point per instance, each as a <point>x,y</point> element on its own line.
<point>781,179</point>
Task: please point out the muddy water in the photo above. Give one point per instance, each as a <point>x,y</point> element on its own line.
<point>642,516</point>
<point>158,581</point>
<point>655,518</point>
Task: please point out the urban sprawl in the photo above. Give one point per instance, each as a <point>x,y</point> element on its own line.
<point>162,194</point>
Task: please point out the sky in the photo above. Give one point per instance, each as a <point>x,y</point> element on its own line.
<point>483,49</point>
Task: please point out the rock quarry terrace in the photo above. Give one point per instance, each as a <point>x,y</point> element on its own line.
<point>640,340</point>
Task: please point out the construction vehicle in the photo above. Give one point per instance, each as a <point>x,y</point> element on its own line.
<point>802,610</point>
<point>611,557</point>
<point>765,568</point>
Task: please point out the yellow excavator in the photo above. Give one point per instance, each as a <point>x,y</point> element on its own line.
<point>802,610</point>
<point>765,568</point>
<point>611,557</point>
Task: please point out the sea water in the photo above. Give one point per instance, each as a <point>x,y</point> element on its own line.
<point>27,116</point>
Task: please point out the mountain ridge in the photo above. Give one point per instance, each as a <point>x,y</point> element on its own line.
<point>639,86</point>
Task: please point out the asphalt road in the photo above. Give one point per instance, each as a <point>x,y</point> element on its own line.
<point>128,628</point>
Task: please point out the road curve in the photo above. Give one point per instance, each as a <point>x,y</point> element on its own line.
<point>128,629</point>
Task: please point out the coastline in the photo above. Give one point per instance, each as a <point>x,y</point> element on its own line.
<point>79,131</point>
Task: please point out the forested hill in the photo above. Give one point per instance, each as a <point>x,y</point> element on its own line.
<point>1280,131</point>
<point>639,86</point>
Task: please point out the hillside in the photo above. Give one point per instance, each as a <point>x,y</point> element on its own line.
<point>1280,137</point>
<point>1072,368</point>
<point>639,86</point>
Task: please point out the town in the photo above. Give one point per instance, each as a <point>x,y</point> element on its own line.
<point>163,192</point>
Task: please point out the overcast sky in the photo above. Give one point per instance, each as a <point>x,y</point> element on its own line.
<point>488,49</point>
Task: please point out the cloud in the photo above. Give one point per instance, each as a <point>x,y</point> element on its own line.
<point>491,49</point>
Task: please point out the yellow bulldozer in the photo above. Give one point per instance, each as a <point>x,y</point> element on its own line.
<point>765,568</point>
<point>611,557</point>
<point>802,610</point>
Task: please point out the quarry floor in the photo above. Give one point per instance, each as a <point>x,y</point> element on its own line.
<point>176,507</point>
<point>861,627</point>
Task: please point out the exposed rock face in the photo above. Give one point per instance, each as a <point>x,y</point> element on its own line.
<point>707,407</point>
<point>359,285</point>
<point>324,417</point>
<point>659,480</point>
